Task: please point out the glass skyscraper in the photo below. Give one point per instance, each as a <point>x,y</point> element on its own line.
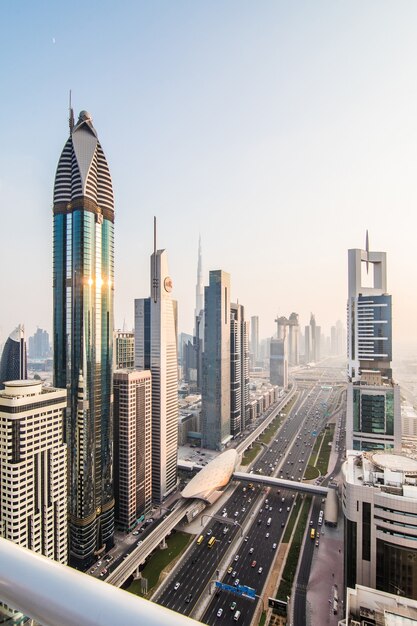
<point>83,285</point>
<point>13,362</point>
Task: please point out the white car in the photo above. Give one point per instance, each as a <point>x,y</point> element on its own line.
<point>176,586</point>
<point>219,612</point>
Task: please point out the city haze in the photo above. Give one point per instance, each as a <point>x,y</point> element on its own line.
<point>278,132</point>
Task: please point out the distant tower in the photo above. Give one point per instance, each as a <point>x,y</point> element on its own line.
<point>156,349</point>
<point>132,445</point>
<point>254,342</point>
<point>373,418</point>
<point>278,362</point>
<point>13,363</point>
<point>199,288</point>
<point>83,288</point>
<point>313,338</point>
<point>33,478</point>
<point>307,344</point>
<point>215,414</point>
<point>293,339</point>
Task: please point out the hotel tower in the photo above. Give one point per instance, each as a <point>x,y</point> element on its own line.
<point>83,284</point>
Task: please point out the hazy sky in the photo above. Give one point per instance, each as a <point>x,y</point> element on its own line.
<point>280,131</point>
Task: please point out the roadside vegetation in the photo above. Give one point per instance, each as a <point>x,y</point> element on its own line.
<point>251,454</point>
<point>290,568</point>
<point>161,560</point>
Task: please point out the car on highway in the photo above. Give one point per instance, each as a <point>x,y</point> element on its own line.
<point>188,598</point>
<point>251,550</point>
<point>234,573</point>
<point>229,569</point>
<point>219,612</point>
<point>260,570</point>
<point>176,586</point>
<point>236,557</point>
<point>236,582</point>
<point>266,535</point>
<point>274,546</point>
<point>253,564</point>
<point>233,606</point>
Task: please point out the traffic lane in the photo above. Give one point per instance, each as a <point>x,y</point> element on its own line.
<point>263,554</point>
<point>288,431</point>
<point>208,558</point>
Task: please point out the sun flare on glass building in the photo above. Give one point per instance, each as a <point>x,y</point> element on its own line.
<point>83,285</point>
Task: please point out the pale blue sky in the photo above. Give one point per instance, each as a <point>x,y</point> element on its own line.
<point>280,131</point>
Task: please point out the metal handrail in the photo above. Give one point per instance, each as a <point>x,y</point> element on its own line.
<point>53,594</point>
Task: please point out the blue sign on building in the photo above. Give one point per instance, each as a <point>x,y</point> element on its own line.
<point>240,590</point>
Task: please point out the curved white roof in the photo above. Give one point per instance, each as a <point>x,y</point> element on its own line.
<point>395,462</point>
<point>212,477</point>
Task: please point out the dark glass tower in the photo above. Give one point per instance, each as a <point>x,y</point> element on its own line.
<point>13,363</point>
<point>83,334</point>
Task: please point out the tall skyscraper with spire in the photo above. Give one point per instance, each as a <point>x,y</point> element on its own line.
<point>373,416</point>
<point>199,288</point>
<point>156,349</point>
<point>83,286</point>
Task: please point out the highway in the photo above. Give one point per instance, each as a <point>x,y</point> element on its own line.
<point>286,457</point>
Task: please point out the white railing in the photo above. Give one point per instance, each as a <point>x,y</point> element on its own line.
<point>56,595</point>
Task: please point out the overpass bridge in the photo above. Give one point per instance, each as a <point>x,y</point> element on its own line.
<point>282,483</point>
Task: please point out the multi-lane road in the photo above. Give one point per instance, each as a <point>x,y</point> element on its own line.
<point>286,457</point>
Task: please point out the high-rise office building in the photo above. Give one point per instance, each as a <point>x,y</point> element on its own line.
<point>33,477</point>
<point>215,414</point>
<point>239,369</point>
<point>379,505</point>
<point>293,339</point>
<point>313,338</point>
<point>39,347</point>
<point>373,418</point>
<point>254,341</point>
<point>369,316</point>
<point>132,445</point>
<point>307,344</point>
<point>13,363</point>
<point>83,286</point>
<point>123,350</point>
<point>156,350</point>
<point>278,362</point>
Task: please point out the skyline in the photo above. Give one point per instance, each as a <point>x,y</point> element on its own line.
<point>247,125</point>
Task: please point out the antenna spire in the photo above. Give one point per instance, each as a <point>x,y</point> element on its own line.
<point>71,114</point>
<point>367,251</point>
<point>155,276</point>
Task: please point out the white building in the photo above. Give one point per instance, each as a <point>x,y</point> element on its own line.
<point>33,468</point>
<point>380,507</point>
<point>123,349</point>
<point>132,445</point>
<point>156,349</point>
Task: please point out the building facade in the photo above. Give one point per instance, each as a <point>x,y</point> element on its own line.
<point>380,507</point>
<point>156,350</point>
<point>83,287</point>
<point>215,415</point>
<point>239,369</point>
<point>132,446</point>
<point>254,339</point>
<point>39,347</point>
<point>13,362</point>
<point>123,350</point>
<point>293,339</point>
<point>278,362</point>
<point>33,468</point>
<point>373,419</point>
